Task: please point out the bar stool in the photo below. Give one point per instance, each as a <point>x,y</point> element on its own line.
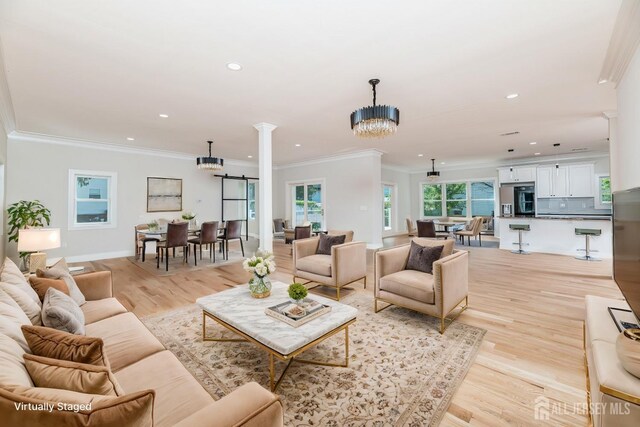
<point>520,228</point>
<point>587,233</point>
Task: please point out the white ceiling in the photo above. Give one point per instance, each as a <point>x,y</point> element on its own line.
<point>103,70</point>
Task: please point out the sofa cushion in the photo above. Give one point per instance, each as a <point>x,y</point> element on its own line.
<point>132,410</point>
<point>101,309</point>
<point>12,369</point>
<point>60,311</point>
<point>41,285</point>
<point>26,303</point>
<point>421,258</point>
<point>325,243</point>
<point>49,342</point>
<point>316,264</point>
<point>12,275</point>
<point>73,376</point>
<point>411,284</point>
<point>126,340</point>
<point>178,393</point>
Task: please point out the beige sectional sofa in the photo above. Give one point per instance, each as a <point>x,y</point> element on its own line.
<point>140,362</point>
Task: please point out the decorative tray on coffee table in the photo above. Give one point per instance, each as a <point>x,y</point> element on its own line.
<point>295,315</point>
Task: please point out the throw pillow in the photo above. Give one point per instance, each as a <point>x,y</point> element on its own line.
<point>12,275</point>
<point>26,303</point>
<point>48,342</point>
<point>326,242</point>
<point>61,271</point>
<point>12,370</point>
<point>421,258</point>
<point>72,376</point>
<point>41,285</point>
<point>132,410</point>
<point>61,312</point>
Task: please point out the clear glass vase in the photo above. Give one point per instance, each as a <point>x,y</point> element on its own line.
<point>260,287</point>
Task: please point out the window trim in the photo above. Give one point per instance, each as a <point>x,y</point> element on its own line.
<point>111,201</point>
<point>444,183</point>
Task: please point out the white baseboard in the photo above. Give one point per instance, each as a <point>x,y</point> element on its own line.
<point>99,255</point>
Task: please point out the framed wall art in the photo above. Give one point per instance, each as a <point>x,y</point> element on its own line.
<point>164,194</point>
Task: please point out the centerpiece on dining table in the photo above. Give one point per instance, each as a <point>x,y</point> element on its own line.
<point>260,265</point>
<point>190,217</point>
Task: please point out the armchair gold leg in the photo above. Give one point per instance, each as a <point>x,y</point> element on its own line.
<point>441,325</point>
<point>338,293</point>
<point>365,282</point>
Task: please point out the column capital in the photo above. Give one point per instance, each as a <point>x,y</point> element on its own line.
<point>263,126</point>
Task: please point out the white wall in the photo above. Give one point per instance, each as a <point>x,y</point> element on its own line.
<point>625,143</point>
<point>40,170</point>
<point>3,189</point>
<point>353,192</point>
<point>402,181</point>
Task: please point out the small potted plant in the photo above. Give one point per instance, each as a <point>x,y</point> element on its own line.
<point>298,292</point>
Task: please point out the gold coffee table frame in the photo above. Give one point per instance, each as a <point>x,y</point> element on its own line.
<point>273,383</point>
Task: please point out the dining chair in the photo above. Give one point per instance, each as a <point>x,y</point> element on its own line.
<point>233,231</point>
<point>208,236</point>
<point>142,240</point>
<point>427,228</point>
<point>177,237</point>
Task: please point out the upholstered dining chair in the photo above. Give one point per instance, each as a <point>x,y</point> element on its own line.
<point>474,230</point>
<point>233,231</point>
<point>177,237</point>
<point>142,240</point>
<point>278,228</point>
<point>427,228</point>
<point>346,264</point>
<point>411,230</point>
<point>296,233</point>
<point>209,237</point>
<point>436,294</point>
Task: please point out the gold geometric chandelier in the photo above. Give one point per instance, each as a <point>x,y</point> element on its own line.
<point>375,121</point>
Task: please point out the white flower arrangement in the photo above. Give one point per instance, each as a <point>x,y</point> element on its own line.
<point>261,264</point>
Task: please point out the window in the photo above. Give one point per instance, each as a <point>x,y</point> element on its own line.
<point>387,206</point>
<point>604,189</point>
<point>432,199</point>
<point>307,204</point>
<point>456,199</point>
<point>482,198</point>
<point>91,199</point>
<point>252,200</point>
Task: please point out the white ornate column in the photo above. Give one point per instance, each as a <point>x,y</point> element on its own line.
<point>265,187</point>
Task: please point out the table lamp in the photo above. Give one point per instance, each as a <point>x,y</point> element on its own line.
<point>36,240</point>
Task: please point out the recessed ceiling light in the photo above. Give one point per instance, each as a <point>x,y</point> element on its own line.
<point>536,154</point>
<point>297,145</point>
<point>602,81</point>
<point>130,139</point>
<point>420,155</point>
<point>512,96</point>
<point>164,116</point>
<point>532,143</point>
<point>251,157</point>
<point>442,163</point>
<point>234,66</point>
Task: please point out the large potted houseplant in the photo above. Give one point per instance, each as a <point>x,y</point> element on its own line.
<point>261,265</point>
<point>26,214</point>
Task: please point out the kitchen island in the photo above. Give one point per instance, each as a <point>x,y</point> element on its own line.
<point>556,234</point>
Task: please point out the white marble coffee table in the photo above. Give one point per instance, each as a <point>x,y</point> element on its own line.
<point>244,315</point>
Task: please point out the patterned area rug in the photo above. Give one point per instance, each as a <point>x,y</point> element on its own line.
<point>401,372</point>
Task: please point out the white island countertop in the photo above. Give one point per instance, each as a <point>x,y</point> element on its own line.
<point>557,235</point>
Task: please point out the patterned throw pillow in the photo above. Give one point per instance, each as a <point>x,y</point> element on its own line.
<point>421,258</point>
<point>326,242</point>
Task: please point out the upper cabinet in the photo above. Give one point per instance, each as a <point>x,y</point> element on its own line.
<point>517,174</point>
<point>565,181</point>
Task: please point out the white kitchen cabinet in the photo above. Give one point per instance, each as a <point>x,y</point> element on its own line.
<point>581,181</point>
<point>552,181</point>
<point>517,174</point>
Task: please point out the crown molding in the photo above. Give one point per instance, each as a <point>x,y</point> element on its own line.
<point>30,137</point>
<point>7,115</point>
<point>332,158</point>
<point>610,114</point>
<point>624,42</point>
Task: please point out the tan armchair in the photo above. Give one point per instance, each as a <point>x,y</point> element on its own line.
<point>434,294</point>
<point>476,228</point>
<point>346,264</point>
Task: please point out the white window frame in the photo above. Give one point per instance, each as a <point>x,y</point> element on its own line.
<point>599,204</point>
<point>443,199</point>
<point>111,201</point>
<point>252,213</point>
<point>393,216</point>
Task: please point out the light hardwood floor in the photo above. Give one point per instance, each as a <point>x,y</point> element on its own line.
<point>531,306</point>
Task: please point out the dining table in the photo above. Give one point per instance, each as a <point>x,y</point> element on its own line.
<point>160,234</point>
<point>447,224</point>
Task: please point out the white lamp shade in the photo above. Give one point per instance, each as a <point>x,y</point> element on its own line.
<point>38,239</point>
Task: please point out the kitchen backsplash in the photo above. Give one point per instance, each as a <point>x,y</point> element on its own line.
<point>570,206</point>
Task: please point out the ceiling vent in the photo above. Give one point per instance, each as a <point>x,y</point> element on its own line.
<point>510,133</point>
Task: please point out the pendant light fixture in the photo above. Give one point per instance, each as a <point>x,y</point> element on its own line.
<point>210,163</point>
<point>556,145</point>
<point>375,121</point>
<point>433,174</point>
